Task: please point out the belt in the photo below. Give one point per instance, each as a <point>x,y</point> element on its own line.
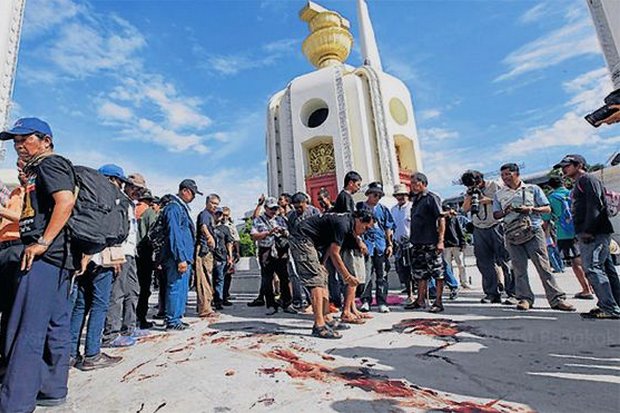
<point>7,244</point>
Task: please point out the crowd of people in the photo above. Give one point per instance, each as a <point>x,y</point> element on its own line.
<point>312,260</point>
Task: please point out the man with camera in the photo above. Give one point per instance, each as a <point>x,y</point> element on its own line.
<point>489,247</point>
<point>521,205</point>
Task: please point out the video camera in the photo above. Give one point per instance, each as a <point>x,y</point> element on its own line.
<point>598,116</point>
<point>472,180</point>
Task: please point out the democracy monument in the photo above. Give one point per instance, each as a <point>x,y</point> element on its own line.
<point>339,117</point>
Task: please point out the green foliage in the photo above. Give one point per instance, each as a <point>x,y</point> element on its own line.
<point>596,167</point>
<point>248,247</point>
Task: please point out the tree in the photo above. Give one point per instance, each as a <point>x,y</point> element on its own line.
<point>248,247</point>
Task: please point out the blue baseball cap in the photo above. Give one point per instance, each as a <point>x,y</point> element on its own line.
<point>113,171</point>
<point>27,126</point>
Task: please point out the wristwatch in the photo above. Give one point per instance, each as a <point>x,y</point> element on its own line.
<point>41,241</point>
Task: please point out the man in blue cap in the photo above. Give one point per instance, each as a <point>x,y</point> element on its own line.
<point>38,339</point>
<point>178,252</point>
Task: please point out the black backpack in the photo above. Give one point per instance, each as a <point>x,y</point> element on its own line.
<point>100,217</point>
<point>157,233</point>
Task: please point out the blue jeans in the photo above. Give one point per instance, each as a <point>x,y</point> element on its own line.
<point>218,281</point>
<point>449,279</point>
<point>38,339</point>
<point>91,295</point>
<point>554,258</point>
<point>177,288</point>
<point>594,256</point>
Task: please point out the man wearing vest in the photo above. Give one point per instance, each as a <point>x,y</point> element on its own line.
<point>38,340</point>
<point>521,206</point>
<point>593,230</point>
<point>378,241</point>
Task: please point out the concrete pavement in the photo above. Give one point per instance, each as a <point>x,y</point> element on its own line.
<point>472,357</point>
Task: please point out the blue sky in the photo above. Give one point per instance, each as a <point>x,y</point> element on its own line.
<point>177,89</point>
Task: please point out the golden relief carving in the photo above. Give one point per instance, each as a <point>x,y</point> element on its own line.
<point>321,159</point>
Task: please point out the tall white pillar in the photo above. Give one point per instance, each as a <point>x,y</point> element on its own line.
<point>11,16</point>
<point>606,17</point>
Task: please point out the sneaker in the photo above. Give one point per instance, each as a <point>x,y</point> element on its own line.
<point>524,305</point>
<point>597,313</point>
<point>510,301</point>
<point>74,361</point>
<point>384,308</point>
<point>454,293</point>
<point>145,325</point>
<point>50,402</point>
<point>584,296</point>
<point>159,316</point>
<point>139,333</point>
<point>177,327</point>
<point>120,341</point>
<point>365,308</point>
<point>409,301</point>
<point>564,306</point>
<point>256,303</point>
<point>99,361</point>
<point>227,303</point>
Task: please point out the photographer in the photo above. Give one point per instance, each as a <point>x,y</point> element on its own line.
<point>488,237</point>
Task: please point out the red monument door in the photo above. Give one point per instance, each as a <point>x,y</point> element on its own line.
<point>315,183</point>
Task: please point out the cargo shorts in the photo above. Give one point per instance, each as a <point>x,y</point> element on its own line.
<point>307,262</point>
<point>426,262</point>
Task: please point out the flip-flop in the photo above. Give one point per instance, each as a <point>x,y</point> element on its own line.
<point>365,315</point>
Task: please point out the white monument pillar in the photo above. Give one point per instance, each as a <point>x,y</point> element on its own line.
<point>606,17</point>
<point>11,16</point>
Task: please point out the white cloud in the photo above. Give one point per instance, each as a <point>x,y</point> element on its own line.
<point>588,91</point>
<point>576,38</point>
<point>402,70</point>
<point>270,54</point>
<point>437,134</point>
<point>43,15</point>
<point>181,112</point>
<point>150,131</point>
<point>113,112</point>
<point>534,14</point>
<point>429,114</point>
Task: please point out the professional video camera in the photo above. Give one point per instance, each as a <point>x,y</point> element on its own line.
<point>597,117</point>
<point>472,180</point>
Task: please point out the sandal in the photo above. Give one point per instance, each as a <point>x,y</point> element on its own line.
<point>436,309</point>
<point>352,320</point>
<point>325,332</point>
<point>337,325</point>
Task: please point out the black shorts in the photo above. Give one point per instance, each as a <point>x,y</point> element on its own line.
<point>426,262</point>
<point>568,248</point>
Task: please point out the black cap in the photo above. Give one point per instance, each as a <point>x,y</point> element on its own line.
<point>571,159</point>
<point>376,188</point>
<point>191,185</point>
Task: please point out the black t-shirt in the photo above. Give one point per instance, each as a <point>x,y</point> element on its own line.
<point>589,208</point>
<point>425,210</point>
<point>344,203</point>
<point>327,229</point>
<point>295,219</point>
<point>51,175</point>
<point>222,237</point>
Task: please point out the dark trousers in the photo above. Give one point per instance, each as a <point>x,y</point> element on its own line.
<point>10,261</point>
<point>228,274</point>
<point>269,267</point>
<point>489,250</point>
<point>38,340</point>
<point>144,263</point>
<point>376,264</point>
<point>336,285</point>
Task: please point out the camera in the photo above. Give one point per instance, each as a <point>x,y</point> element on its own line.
<point>472,180</point>
<point>598,116</point>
